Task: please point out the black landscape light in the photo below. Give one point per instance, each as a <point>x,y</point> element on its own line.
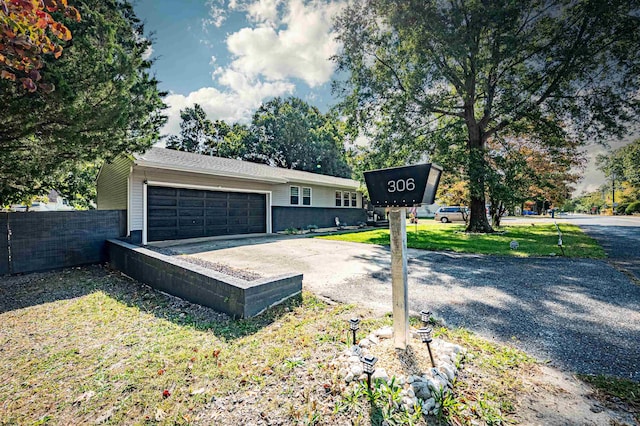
<point>354,325</point>
<point>425,316</point>
<point>368,365</point>
<point>425,336</point>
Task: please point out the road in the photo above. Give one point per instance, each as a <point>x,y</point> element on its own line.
<point>581,315</point>
<point>618,235</point>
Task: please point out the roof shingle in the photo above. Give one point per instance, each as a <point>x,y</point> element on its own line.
<point>198,163</point>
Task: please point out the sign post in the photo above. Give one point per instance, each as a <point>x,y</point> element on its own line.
<point>399,188</point>
<point>399,285</point>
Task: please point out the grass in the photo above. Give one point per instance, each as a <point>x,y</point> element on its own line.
<point>88,346</point>
<point>613,391</point>
<point>538,240</point>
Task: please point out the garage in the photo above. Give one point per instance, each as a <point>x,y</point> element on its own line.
<point>179,213</point>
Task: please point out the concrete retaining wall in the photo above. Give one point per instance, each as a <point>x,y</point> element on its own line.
<point>199,285</point>
<point>40,241</point>
<point>301,217</point>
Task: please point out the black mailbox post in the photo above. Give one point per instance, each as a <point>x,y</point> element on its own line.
<point>403,186</point>
<point>398,188</point>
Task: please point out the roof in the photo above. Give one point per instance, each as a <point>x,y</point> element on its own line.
<point>170,159</point>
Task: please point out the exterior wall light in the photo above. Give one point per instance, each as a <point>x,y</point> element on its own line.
<point>425,336</point>
<point>368,366</point>
<point>354,325</point>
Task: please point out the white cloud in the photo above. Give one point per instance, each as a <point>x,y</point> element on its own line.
<point>235,105</point>
<point>147,53</point>
<point>301,47</point>
<point>264,11</point>
<point>288,39</point>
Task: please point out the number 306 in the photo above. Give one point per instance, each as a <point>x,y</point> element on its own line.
<point>401,185</point>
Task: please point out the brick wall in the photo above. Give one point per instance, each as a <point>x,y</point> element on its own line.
<point>40,241</point>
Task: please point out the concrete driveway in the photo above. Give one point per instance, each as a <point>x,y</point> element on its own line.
<point>581,315</point>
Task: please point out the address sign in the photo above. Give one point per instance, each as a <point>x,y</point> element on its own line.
<point>403,186</point>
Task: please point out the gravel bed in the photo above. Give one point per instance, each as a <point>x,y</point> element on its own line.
<point>218,267</point>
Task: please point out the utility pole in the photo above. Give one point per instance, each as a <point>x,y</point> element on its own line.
<point>613,193</point>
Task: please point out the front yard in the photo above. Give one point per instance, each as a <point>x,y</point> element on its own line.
<point>86,345</point>
<point>540,239</point>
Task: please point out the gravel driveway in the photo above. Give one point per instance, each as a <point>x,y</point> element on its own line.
<point>581,315</point>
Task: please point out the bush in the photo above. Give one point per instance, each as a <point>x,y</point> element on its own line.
<point>633,207</point>
<point>621,209</point>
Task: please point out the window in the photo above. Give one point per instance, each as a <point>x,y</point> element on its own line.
<point>306,196</point>
<point>345,198</point>
<point>294,195</point>
<point>354,199</point>
<point>338,198</point>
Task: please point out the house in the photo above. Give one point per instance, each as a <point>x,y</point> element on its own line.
<point>172,195</point>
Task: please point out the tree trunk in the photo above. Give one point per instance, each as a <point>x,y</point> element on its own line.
<point>478,218</point>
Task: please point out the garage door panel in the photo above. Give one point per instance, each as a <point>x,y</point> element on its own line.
<point>190,213</point>
<point>191,222</point>
<point>161,191</point>
<point>162,223</point>
<point>160,212</point>
<point>216,221</point>
<point>191,193</point>
<point>162,201</point>
<point>190,202</point>
<point>216,195</point>
<point>216,204</point>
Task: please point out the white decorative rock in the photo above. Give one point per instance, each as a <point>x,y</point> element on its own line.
<point>349,377</point>
<point>410,380</point>
<point>446,369</point>
<point>428,405</point>
<point>421,390</point>
<point>365,343</point>
<point>400,381</point>
<point>380,373</point>
<point>384,333</point>
<point>411,393</point>
<point>356,369</point>
<point>354,359</point>
<point>373,339</point>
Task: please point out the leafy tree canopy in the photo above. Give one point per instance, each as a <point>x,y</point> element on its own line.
<point>553,73</point>
<point>286,133</point>
<point>105,103</point>
<point>25,30</point>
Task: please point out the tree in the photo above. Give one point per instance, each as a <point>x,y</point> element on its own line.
<point>105,103</point>
<point>195,130</point>
<point>25,29</point>
<point>547,71</point>
<point>292,134</point>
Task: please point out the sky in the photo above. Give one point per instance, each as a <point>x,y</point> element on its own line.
<point>229,56</point>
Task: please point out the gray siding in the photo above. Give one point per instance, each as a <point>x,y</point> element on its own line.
<point>301,217</point>
<point>112,184</point>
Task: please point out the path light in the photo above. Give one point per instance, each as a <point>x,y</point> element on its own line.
<point>425,336</point>
<point>354,325</point>
<point>368,363</point>
<point>425,316</point>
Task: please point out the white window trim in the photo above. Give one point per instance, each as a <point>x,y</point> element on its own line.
<point>348,198</point>
<point>310,196</point>
<point>335,198</point>
<point>299,195</point>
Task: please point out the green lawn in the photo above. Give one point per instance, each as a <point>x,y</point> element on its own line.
<point>87,346</point>
<point>534,240</point>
